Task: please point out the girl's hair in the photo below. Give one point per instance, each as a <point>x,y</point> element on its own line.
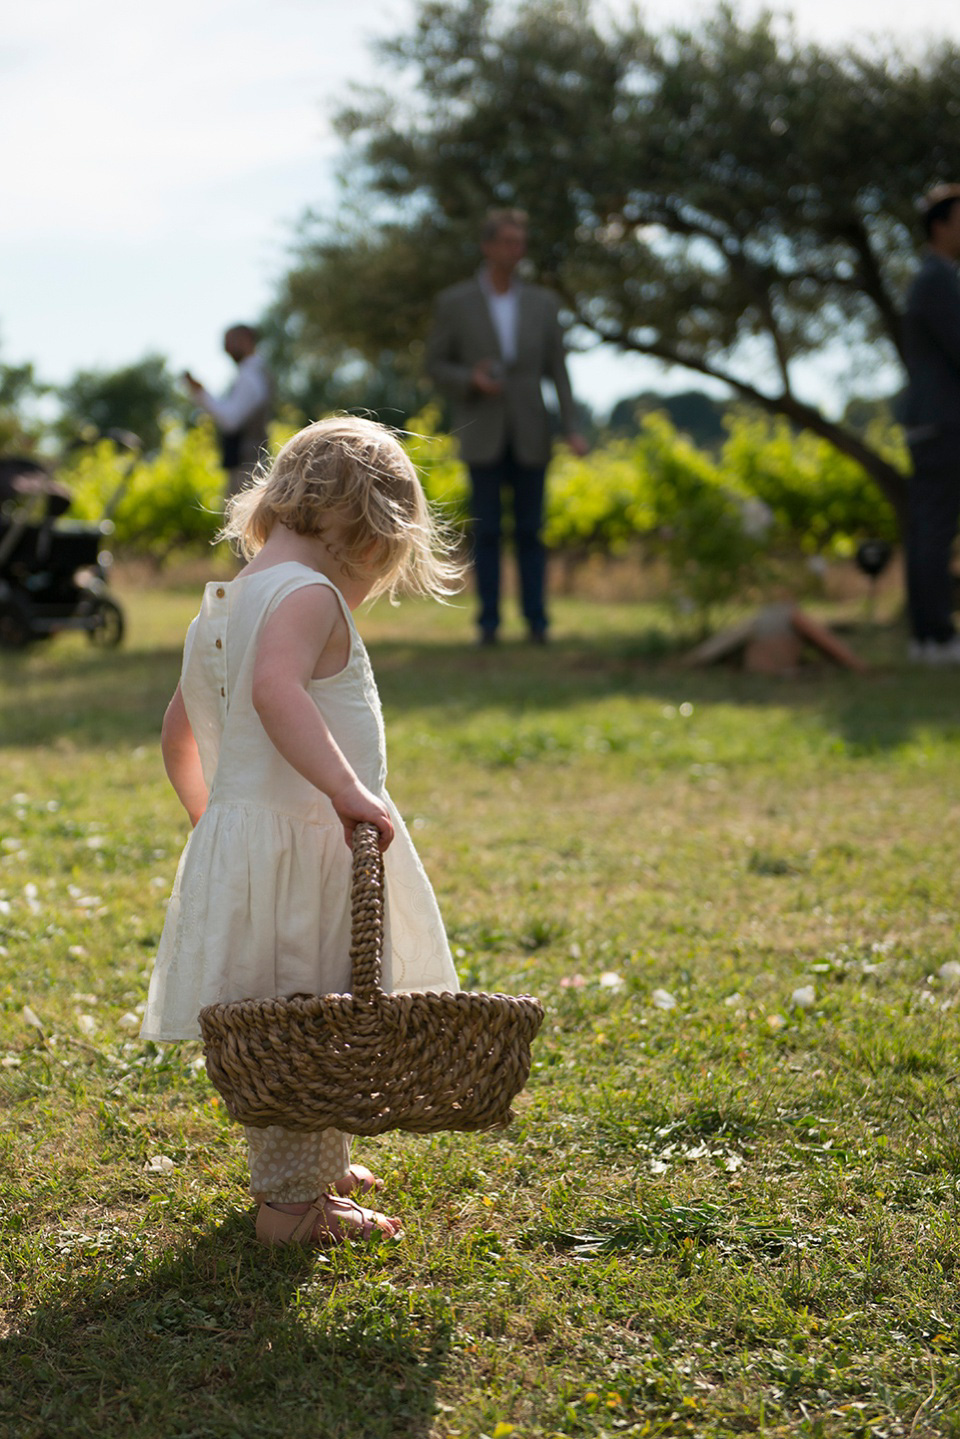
<point>355,473</point>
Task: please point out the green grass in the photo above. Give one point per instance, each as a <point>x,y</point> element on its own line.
<point>730,1216</point>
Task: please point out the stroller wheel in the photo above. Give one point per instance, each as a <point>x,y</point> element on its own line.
<point>14,625</point>
<point>107,627</point>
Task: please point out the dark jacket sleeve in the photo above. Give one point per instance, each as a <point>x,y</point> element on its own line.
<point>935,304</point>
<point>557,372</point>
<point>443,362</point>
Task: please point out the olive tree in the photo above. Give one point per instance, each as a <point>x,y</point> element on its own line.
<point>729,198</point>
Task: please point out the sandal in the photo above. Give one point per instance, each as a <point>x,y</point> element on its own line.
<point>358,1180</point>
<point>320,1224</point>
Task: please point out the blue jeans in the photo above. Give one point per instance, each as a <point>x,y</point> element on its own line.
<point>527,484</point>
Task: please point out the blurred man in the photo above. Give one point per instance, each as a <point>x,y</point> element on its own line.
<point>242,414</point>
<point>494,339</point>
<point>931,335</point>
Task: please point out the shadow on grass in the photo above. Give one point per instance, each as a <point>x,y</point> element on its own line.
<point>222,1338</point>
<point>101,699</point>
<point>866,713</point>
<point>90,698</point>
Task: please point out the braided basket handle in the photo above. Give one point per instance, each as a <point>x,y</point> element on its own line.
<point>366,912</point>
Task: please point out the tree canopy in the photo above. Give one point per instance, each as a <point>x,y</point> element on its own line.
<point>730,198</point>
<point>136,398</point>
<point>20,429</point>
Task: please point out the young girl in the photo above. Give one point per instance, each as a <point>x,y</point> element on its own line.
<point>274,744</point>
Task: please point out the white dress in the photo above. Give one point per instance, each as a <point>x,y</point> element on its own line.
<point>261,902</point>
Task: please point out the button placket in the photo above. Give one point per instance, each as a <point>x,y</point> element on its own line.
<point>220,665</point>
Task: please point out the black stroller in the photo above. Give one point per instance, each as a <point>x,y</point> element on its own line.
<point>52,576</point>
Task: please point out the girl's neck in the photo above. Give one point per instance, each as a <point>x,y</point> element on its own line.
<point>283,546</point>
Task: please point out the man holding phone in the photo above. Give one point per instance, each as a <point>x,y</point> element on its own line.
<point>243,413</point>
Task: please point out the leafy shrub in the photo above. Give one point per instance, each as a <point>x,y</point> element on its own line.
<point>822,501</point>
<point>442,473</point>
<point>600,503</point>
<point>655,490</point>
<point>158,505</point>
<point>702,526</point>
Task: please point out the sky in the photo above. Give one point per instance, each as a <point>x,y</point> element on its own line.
<point>157,158</point>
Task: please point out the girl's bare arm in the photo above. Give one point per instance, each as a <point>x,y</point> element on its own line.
<point>290,646</point>
<point>181,758</point>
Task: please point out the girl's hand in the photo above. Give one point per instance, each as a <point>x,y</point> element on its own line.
<point>355,804</point>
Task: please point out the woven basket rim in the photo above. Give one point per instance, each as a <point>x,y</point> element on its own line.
<point>461,996</point>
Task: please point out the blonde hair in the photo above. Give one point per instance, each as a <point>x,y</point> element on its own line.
<point>356,473</point>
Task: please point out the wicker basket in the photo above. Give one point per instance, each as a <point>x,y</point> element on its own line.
<point>367,1062</point>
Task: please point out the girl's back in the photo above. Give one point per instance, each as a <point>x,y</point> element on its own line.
<point>240,765</point>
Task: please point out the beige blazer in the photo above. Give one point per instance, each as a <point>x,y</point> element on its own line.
<point>463,334</point>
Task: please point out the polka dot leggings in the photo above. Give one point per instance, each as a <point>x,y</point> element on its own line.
<point>290,1167</point>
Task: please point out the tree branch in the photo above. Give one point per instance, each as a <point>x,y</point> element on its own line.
<point>873,283</point>
<point>730,245</point>
<point>890,480</point>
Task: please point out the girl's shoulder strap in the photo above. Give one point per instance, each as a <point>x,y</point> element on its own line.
<point>298,577</point>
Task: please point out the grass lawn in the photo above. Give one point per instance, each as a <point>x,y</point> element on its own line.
<point>725,1207</point>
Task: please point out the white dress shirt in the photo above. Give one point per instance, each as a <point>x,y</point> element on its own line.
<point>504,312</point>
<point>250,392</point>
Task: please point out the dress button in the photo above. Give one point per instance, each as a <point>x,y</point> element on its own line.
<point>220,592</point>
<point>223,691</point>
<point>219,644</point>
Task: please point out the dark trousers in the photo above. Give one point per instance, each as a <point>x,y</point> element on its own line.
<point>527,484</point>
<point>933,508</point>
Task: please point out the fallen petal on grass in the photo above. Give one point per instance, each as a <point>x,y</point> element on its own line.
<point>663,999</point>
<point>611,980</point>
<point>159,1164</point>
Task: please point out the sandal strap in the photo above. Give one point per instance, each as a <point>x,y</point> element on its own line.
<point>303,1230</point>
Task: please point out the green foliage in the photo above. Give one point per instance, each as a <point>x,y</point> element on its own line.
<point>20,430</point>
<point>442,474</point>
<point>157,505</point>
<point>681,506</point>
<point>701,525</point>
<point>599,503</point>
<point>138,398</point>
<point>696,414</point>
<point>717,522</point>
<point>318,370</point>
<point>822,500</point>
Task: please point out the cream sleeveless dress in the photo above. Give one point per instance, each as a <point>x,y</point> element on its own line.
<point>261,901</point>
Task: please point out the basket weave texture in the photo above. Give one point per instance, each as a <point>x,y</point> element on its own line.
<point>367,1061</point>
